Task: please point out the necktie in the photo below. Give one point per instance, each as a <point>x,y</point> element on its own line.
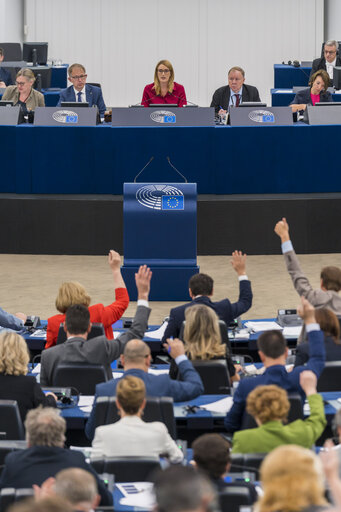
<point>79,94</point>
<point>237,100</point>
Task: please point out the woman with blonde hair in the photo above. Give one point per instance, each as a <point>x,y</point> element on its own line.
<point>22,93</point>
<point>164,89</point>
<point>202,339</point>
<point>292,481</point>
<point>131,436</point>
<point>74,293</point>
<point>14,383</point>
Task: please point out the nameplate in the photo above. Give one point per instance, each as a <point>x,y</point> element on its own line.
<point>172,116</point>
<point>64,116</point>
<point>261,116</point>
<point>11,116</point>
<point>324,115</point>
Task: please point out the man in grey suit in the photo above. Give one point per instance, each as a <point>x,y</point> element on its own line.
<point>99,350</point>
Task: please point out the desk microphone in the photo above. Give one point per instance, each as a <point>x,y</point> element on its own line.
<point>187,101</point>
<point>175,169</point>
<point>143,168</point>
<point>296,64</point>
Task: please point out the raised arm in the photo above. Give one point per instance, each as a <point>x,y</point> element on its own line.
<point>244,303</point>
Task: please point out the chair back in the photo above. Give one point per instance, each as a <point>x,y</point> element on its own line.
<point>10,446</point>
<point>234,496</point>
<point>295,412</point>
<point>95,84</point>
<point>11,426</point>
<point>83,377</point>
<point>330,378</point>
<point>13,51</point>
<point>97,329</point>
<point>214,375</point>
<point>157,409</point>
<point>247,462</point>
<point>131,469</point>
<point>9,495</point>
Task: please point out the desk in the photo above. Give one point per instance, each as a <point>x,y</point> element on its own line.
<point>282,99</point>
<point>286,77</point>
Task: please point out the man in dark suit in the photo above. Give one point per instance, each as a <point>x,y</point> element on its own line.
<point>99,350</point>
<point>45,455</point>
<point>80,91</point>
<point>5,75</point>
<point>329,60</point>
<point>201,289</point>
<point>235,93</point>
<point>136,361</point>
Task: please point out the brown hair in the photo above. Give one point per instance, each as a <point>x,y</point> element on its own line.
<point>324,75</point>
<point>272,344</point>
<point>211,453</point>
<point>201,284</point>
<point>157,85</point>
<point>202,334</point>
<point>268,403</point>
<point>329,323</point>
<point>71,293</point>
<point>292,480</point>
<point>237,68</point>
<point>331,278</point>
<point>130,392</point>
<point>75,65</point>
<point>14,354</point>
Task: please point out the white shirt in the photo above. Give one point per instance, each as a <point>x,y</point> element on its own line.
<point>83,97</point>
<point>233,97</point>
<point>330,68</point>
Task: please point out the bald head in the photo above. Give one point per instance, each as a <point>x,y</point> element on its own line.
<point>136,355</point>
<point>78,487</point>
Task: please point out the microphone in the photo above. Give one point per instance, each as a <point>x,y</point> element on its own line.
<point>39,82</point>
<point>137,175</point>
<point>296,64</point>
<point>187,101</point>
<point>175,169</point>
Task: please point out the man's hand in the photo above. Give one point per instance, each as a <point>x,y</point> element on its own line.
<point>174,348</point>
<point>142,280</point>
<point>45,490</point>
<point>21,316</point>
<point>114,260</point>
<point>282,230</point>
<point>238,262</point>
<point>306,311</point>
<point>2,85</point>
<point>330,461</point>
<point>296,107</point>
<point>308,382</point>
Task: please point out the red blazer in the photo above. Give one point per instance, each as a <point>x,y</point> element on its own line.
<point>107,315</point>
<point>178,96</point>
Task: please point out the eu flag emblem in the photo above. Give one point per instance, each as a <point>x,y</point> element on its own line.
<point>172,202</point>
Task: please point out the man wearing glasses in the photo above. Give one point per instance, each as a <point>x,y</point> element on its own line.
<point>80,91</point>
<point>329,60</point>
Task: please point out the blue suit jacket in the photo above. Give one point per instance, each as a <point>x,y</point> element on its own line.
<point>278,375</point>
<point>5,76</point>
<point>156,385</point>
<point>333,351</point>
<point>224,309</point>
<point>93,96</point>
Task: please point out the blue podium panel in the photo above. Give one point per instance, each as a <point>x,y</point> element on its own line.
<point>286,77</point>
<point>160,230</point>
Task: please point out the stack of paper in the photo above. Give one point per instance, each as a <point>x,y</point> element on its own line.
<point>263,326</point>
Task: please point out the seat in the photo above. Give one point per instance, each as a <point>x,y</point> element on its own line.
<point>129,469</point>
<point>82,377</point>
<point>234,496</point>
<point>214,375</point>
<point>330,378</point>
<point>95,84</point>
<point>11,426</point>
<point>12,51</point>
<point>10,446</point>
<point>247,462</point>
<point>9,495</point>
<point>157,409</point>
<point>295,412</point>
<point>97,329</point>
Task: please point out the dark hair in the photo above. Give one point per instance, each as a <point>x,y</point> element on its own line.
<point>331,278</point>
<point>272,344</point>
<point>2,52</point>
<point>323,74</point>
<point>329,322</point>
<point>201,284</point>
<point>211,452</point>
<point>77,319</point>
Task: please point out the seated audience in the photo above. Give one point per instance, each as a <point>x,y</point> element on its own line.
<point>14,322</point>
<point>136,360</point>
<point>22,93</point>
<point>269,406</point>
<point>273,351</point>
<point>98,350</point>
<point>202,339</point>
<point>330,326</point>
<point>317,92</point>
<point>292,481</point>
<point>74,293</point>
<point>14,383</point>
<point>329,60</point>
<point>45,455</point>
<point>164,89</point>
<point>5,75</point>
<point>235,93</point>
<point>80,91</point>
<point>200,291</point>
<point>211,454</point>
<point>131,436</point>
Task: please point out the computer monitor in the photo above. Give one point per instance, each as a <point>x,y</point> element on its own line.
<point>35,52</point>
<point>43,77</point>
<point>4,103</point>
<point>337,78</point>
<point>328,104</point>
<point>252,104</point>
<point>74,104</point>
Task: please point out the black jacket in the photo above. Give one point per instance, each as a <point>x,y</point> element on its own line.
<point>333,351</point>
<point>304,97</point>
<point>221,97</point>
<point>321,64</point>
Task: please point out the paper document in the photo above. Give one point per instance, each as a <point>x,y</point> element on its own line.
<point>155,371</point>
<point>36,369</point>
<point>85,400</point>
<point>40,333</point>
<point>242,334</point>
<point>251,369</point>
<point>292,330</point>
<point>137,494</point>
<point>221,406</point>
<point>283,91</point>
<point>117,375</point>
<point>263,326</point>
<point>157,334</point>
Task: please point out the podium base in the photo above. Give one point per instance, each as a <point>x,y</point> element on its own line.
<point>168,283</point>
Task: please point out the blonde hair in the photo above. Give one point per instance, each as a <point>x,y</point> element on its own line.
<point>292,480</point>
<point>71,293</point>
<point>202,337</point>
<point>157,85</point>
<point>14,354</point>
<point>26,73</point>
<point>268,403</point>
<point>130,392</point>
<point>45,427</point>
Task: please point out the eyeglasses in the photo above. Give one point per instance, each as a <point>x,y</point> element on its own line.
<point>330,51</point>
<point>79,77</point>
<point>20,83</point>
<point>165,71</point>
